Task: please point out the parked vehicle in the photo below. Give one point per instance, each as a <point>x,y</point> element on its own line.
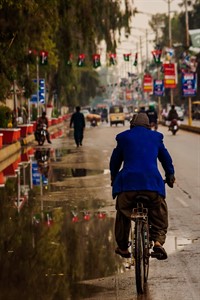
<point>117,115</point>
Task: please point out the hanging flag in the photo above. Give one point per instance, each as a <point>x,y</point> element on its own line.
<point>112,58</point>
<point>96,60</point>
<point>101,215</point>
<point>31,57</point>
<point>147,83</point>
<point>169,53</point>
<point>127,56</point>
<point>133,75</point>
<point>136,60</point>
<point>48,217</point>
<point>170,75</point>
<point>43,57</point>
<point>157,55</point>
<point>37,219</point>
<point>86,216</point>
<point>81,60</point>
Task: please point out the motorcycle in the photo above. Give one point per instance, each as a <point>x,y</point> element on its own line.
<point>174,126</point>
<point>41,134</point>
<point>93,122</point>
<point>43,158</point>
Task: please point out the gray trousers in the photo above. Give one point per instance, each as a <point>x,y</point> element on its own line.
<point>157,212</point>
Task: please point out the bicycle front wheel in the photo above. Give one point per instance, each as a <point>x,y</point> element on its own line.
<point>139,257</point>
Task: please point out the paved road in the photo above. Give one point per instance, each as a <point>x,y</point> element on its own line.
<point>178,277</point>
<point>73,256</point>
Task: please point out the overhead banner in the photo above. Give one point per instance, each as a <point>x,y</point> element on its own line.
<point>158,87</point>
<point>170,75</point>
<point>147,83</point>
<point>189,84</point>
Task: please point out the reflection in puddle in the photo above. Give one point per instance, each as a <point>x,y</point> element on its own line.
<point>59,153</point>
<point>48,247</point>
<point>61,174</point>
<point>55,248</point>
<point>174,243</point>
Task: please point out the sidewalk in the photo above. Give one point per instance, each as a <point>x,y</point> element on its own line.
<point>9,150</point>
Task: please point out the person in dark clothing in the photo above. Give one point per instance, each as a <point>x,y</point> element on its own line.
<point>42,120</point>
<point>78,122</point>
<point>172,114</point>
<point>137,152</point>
<point>153,117</point>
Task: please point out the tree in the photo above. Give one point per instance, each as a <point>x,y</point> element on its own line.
<point>60,27</point>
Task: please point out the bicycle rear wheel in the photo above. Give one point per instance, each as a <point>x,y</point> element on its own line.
<point>145,234</point>
<point>139,257</point>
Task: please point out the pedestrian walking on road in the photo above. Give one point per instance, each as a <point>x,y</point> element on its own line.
<point>78,122</point>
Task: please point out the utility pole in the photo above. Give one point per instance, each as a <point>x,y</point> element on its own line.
<point>170,44</point>
<point>37,76</point>
<point>141,55</point>
<point>187,45</point>
<point>186,24</point>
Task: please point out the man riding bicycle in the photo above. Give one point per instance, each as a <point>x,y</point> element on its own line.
<point>137,152</point>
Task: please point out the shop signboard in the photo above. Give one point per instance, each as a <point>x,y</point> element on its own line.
<point>158,87</point>
<point>170,75</point>
<point>147,83</point>
<point>189,84</point>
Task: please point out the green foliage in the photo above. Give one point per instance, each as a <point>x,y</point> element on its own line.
<point>55,113</point>
<point>60,27</point>
<point>5,116</point>
<point>34,114</point>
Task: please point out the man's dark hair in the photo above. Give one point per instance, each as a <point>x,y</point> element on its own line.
<point>44,114</point>
<point>78,108</point>
<point>172,106</point>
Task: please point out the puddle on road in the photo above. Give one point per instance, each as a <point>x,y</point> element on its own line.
<point>63,173</point>
<point>53,249</point>
<point>174,243</point>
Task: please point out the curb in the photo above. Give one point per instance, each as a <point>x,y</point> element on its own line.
<point>185,127</point>
<point>193,129</point>
<point>9,150</point>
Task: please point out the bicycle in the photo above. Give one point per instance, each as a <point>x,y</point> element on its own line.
<point>141,246</point>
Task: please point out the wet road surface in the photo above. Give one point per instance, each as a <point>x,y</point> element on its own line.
<point>57,221</point>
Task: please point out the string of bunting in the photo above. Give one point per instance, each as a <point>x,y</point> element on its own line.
<point>75,217</point>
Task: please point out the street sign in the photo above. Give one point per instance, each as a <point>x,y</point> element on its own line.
<point>41,92</point>
<point>35,174</point>
<point>33,98</point>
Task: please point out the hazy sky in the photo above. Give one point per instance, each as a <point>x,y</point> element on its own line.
<point>141,22</point>
<point>152,7</point>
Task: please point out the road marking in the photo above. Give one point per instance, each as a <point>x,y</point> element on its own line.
<point>182,202</point>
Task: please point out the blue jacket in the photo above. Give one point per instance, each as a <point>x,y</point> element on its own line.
<point>133,163</point>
